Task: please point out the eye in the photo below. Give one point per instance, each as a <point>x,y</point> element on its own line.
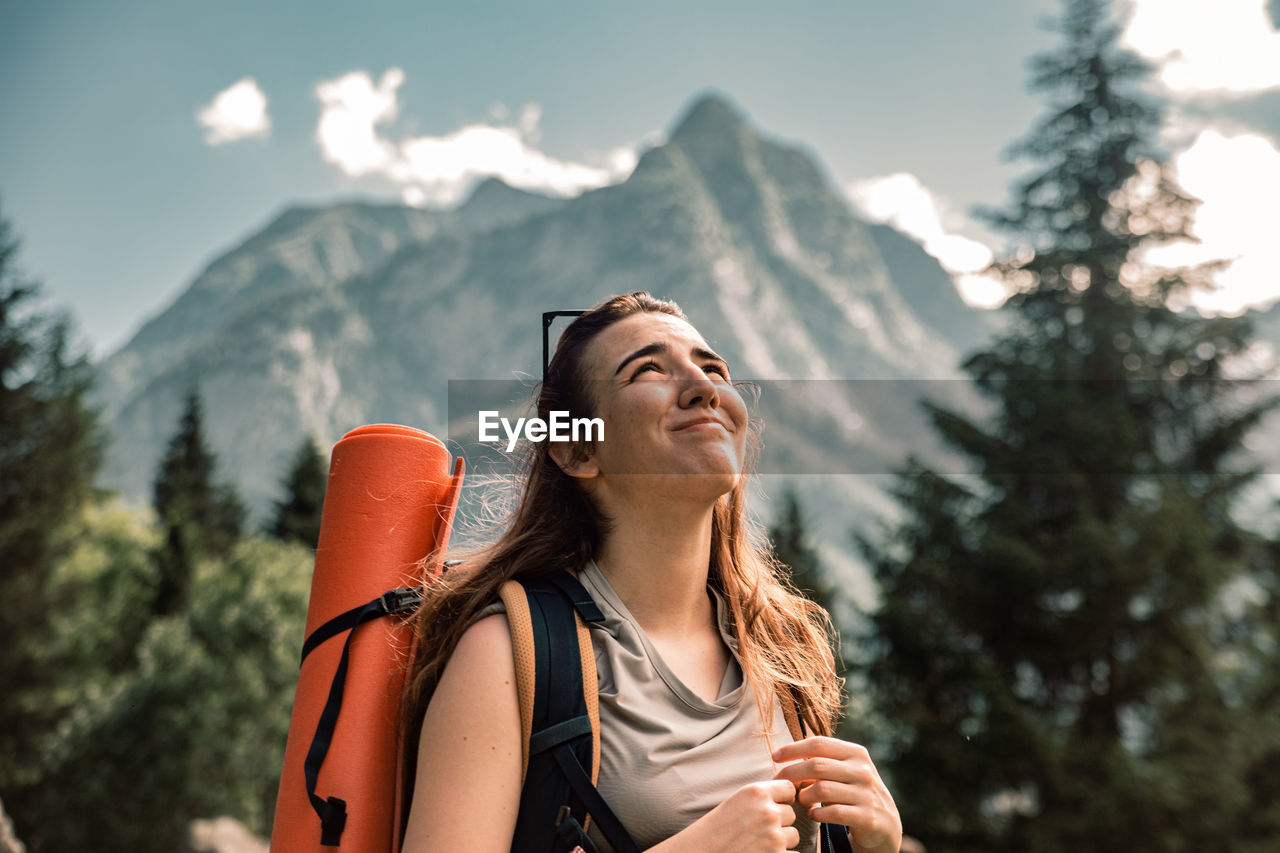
<point>718,369</point>
<point>647,366</point>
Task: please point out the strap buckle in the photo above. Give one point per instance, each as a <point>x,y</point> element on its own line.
<point>570,832</point>
<point>403,600</point>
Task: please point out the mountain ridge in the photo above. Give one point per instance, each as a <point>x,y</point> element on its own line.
<point>748,234</point>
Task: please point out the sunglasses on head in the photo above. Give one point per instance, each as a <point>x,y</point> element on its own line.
<point>547,318</point>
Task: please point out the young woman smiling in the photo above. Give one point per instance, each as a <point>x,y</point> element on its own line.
<point>701,633</point>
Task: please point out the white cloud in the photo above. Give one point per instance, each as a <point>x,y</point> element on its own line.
<point>1225,45</point>
<point>438,170</point>
<point>445,165</point>
<point>414,196</point>
<point>529,118</point>
<point>237,112</point>
<point>622,161</point>
<point>902,201</point>
<point>353,107</point>
<point>1237,178</point>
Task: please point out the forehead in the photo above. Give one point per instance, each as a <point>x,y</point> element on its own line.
<point>631,333</point>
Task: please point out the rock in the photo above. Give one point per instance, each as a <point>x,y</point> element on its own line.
<point>224,835</point>
<point>9,842</point>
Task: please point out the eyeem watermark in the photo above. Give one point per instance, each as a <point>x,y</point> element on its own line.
<point>559,428</point>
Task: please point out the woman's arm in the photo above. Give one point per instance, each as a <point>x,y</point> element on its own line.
<point>467,789</point>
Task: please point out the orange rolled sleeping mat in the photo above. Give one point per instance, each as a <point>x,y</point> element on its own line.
<point>389,505</point>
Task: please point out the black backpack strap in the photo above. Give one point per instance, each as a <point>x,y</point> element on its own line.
<point>835,839</point>
<point>834,836</point>
<point>332,811</point>
<point>558,793</point>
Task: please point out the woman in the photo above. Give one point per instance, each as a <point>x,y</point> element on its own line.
<point>700,634</point>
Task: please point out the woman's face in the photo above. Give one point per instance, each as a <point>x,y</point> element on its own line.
<point>667,405</point>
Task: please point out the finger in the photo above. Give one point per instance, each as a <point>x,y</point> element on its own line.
<point>786,815</point>
<point>867,827</point>
<point>854,817</point>
<point>782,791</point>
<point>818,746</point>
<point>810,770</point>
<point>832,793</point>
<point>791,836</point>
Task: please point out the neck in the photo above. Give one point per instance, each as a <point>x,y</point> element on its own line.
<point>656,558</point>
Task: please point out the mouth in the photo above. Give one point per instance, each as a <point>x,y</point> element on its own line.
<point>701,424</point>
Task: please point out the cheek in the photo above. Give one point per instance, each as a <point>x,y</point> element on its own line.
<point>732,404</point>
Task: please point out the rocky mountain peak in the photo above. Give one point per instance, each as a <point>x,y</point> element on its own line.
<point>494,202</point>
<point>711,118</point>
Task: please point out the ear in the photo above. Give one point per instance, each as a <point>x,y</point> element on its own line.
<point>576,460</point>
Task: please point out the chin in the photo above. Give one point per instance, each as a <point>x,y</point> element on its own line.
<point>698,487</point>
<point>711,485</point>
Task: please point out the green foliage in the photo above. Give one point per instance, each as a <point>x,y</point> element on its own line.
<point>195,724</point>
<point>147,663</point>
<point>298,515</point>
<point>1054,649</point>
<point>104,584</point>
<point>198,515</point>
<point>50,449</point>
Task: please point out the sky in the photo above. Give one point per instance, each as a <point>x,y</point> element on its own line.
<point>140,139</point>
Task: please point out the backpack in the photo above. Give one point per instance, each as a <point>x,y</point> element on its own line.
<point>393,486</point>
<point>560,722</point>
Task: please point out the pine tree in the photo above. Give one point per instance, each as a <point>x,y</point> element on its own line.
<point>1050,647</point>
<point>50,450</point>
<point>197,514</point>
<point>298,515</point>
<point>793,547</point>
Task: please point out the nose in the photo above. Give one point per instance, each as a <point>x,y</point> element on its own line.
<point>698,390</point>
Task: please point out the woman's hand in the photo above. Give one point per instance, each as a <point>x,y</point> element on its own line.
<point>756,818</point>
<point>837,782</point>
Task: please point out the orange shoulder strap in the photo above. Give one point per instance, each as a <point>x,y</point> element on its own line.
<point>512,594</point>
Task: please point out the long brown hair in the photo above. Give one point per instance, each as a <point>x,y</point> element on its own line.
<point>784,639</point>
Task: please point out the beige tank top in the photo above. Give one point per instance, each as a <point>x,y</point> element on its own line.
<point>667,755</point>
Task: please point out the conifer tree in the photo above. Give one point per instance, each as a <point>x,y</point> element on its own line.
<point>197,514</point>
<point>298,515</point>
<point>793,547</point>
<point>50,450</point>
<point>1050,645</point>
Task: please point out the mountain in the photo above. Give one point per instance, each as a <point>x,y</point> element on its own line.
<point>356,313</point>
<point>928,289</point>
<point>302,249</point>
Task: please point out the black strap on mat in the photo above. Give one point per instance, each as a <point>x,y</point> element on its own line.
<point>332,811</point>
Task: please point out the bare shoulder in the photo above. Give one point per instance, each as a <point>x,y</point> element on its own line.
<point>486,643</point>
<point>470,749</point>
<point>479,681</point>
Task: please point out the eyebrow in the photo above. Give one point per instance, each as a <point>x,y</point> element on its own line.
<point>651,349</point>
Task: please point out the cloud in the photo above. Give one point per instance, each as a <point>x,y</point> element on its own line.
<point>443,166</point>
<point>900,200</point>
<point>438,170</point>
<point>1237,178</point>
<point>237,112</point>
<point>352,108</point>
<point>1224,45</point>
